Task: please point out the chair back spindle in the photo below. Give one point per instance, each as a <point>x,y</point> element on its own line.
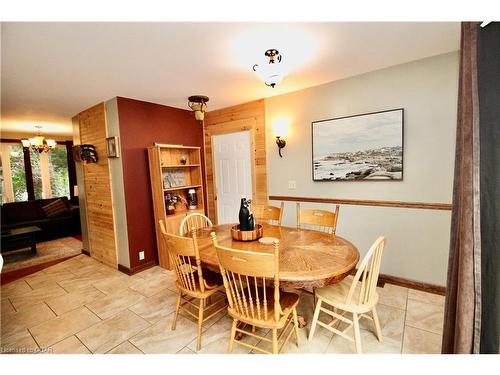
<point>185,258</point>
<point>246,277</point>
<point>194,221</point>
<point>366,277</point>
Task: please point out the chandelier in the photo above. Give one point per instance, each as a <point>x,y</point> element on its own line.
<point>39,143</point>
<point>272,72</point>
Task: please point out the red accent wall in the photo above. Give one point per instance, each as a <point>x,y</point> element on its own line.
<point>142,124</point>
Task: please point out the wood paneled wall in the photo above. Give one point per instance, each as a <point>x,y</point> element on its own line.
<point>247,116</point>
<point>97,182</point>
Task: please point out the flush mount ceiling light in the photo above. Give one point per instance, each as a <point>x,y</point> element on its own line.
<point>39,143</point>
<point>198,103</point>
<point>271,73</point>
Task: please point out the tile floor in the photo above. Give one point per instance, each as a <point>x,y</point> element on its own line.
<point>82,306</point>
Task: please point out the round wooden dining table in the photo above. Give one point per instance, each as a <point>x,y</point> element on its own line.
<point>307,258</point>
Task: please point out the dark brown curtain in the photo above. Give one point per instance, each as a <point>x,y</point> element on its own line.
<point>462,320</point>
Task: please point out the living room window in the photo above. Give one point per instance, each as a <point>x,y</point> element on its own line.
<point>46,175</point>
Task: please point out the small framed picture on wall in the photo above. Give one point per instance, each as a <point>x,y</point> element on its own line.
<point>113,147</point>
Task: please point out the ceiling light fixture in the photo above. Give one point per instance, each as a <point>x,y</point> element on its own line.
<point>198,103</point>
<point>39,143</point>
<point>271,73</point>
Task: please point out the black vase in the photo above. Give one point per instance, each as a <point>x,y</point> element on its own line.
<point>245,216</point>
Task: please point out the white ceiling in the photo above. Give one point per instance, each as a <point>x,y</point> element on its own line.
<point>52,71</point>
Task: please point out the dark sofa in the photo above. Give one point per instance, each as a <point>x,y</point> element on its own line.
<point>23,214</point>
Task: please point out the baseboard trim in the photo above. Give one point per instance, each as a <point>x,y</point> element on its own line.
<point>412,284</point>
<point>133,270</point>
<point>86,252</point>
<point>14,275</point>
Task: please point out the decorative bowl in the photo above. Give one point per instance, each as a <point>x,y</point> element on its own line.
<point>246,235</point>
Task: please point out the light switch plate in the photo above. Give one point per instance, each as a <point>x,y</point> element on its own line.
<point>292,185</point>
<point>141,255</point>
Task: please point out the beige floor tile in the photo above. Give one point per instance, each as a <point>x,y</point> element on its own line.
<point>185,351</point>
<point>70,345</point>
<point>425,316</point>
<point>393,295</point>
<point>305,309</point>
<point>19,343</point>
<point>125,348</point>
<point>112,304</point>
<point>15,322</point>
<point>113,283</point>
<point>392,322</point>
<point>151,285</point>
<point>82,282</point>
<point>369,345</point>
<point>36,296</point>
<point>72,300</point>
<point>15,288</point>
<point>215,339</point>
<point>86,270</point>
<point>41,279</point>
<point>109,333</point>
<point>156,307</point>
<point>318,344</point>
<point>417,341</point>
<point>155,271</point>
<point>426,297</point>
<point>159,338</point>
<point>57,329</point>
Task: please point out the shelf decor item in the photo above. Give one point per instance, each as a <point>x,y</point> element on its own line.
<point>192,200</point>
<point>183,159</point>
<point>366,147</point>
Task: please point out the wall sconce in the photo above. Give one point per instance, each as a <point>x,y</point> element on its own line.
<point>281,127</point>
<point>198,103</point>
<point>281,144</point>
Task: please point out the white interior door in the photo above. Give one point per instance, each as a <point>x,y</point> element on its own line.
<point>233,173</point>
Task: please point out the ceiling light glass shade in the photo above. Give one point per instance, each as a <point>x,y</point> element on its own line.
<point>271,72</point>
<point>51,143</point>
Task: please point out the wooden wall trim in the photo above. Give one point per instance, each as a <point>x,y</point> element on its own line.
<point>133,270</point>
<point>232,119</point>
<point>363,202</point>
<point>412,284</point>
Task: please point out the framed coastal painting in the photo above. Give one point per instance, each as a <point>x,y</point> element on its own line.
<point>363,147</point>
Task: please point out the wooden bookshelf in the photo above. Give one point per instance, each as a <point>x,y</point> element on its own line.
<point>165,168</point>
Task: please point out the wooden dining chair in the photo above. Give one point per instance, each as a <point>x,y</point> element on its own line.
<point>252,301</point>
<point>357,296</point>
<point>319,220</point>
<point>194,221</point>
<point>193,281</point>
<point>268,214</point>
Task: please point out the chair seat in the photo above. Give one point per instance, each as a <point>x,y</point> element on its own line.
<point>336,295</point>
<point>287,301</point>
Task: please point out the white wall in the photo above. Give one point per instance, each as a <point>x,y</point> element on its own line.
<point>417,240</point>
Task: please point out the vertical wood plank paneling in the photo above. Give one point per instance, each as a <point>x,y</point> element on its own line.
<point>232,119</point>
<point>97,182</point>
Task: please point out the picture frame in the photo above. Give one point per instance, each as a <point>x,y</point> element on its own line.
<point>363,147</point>
<point>113,147</point>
